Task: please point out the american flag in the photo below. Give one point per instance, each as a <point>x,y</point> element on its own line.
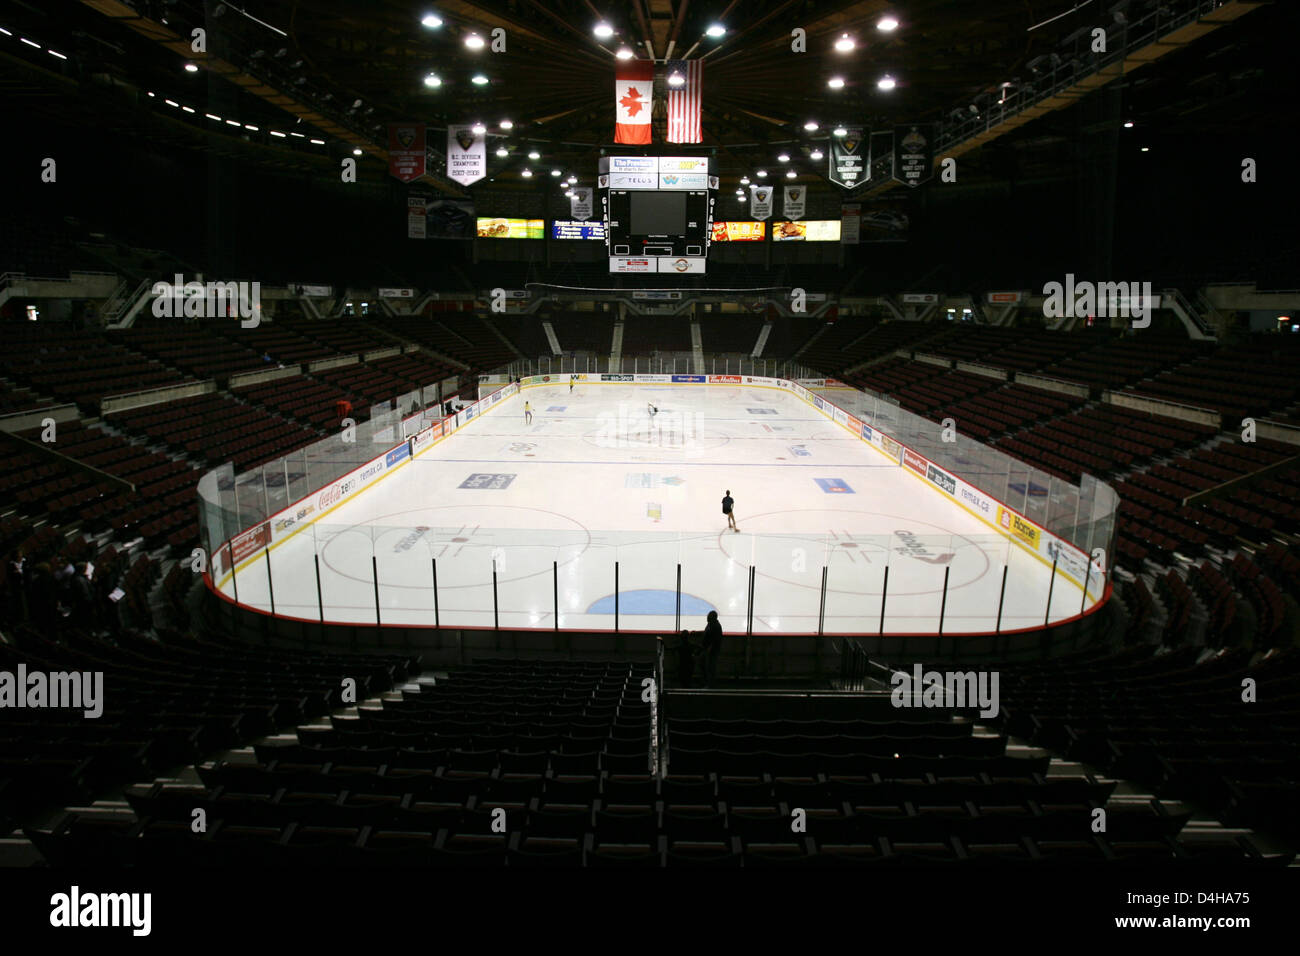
<point>684,102</point>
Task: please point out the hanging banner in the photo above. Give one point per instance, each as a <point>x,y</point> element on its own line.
<point>466,155</point>
<point>580,203</point>
<point>406,151</point>
<point>415,217</point>
<point>760,202</point>
<point>913,154</point>
<point>850,223</point>
<point>633,95</point>
<point>849,159</point>
<point>795,200</point>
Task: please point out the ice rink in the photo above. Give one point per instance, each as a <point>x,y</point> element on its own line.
<point>595,481</point>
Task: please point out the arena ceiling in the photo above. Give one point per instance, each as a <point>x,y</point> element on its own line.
<point>343,69</point>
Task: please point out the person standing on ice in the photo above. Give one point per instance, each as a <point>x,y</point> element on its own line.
<point>571,381</point>
<point>728,503</point>
<point>528,413</point>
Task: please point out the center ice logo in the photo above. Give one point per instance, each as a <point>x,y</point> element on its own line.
<point>914,547</point>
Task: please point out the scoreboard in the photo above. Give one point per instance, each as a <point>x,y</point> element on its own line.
<point>658,212</point>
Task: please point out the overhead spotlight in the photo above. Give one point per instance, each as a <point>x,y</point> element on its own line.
<point>816,154</point>
<point>296,64</point>
<point>603,30</point>
<point>761,174</point>
<point>474,42</point>
<point>845,43</point>
<point>478,79</point>
<point>572,180</point>
<point>784,158</point>
<point>431,21</point>
<point>191,68</point>
<point>503,152</point>
<point>740,192</point>
<point>527,174</point>
<point>568,193</point>
<point>886,82</point>
<point>676,79</point>
<point>432,80</point>
<point>624,53</point>
<point>356,104</point>
<point>810,126</point>
<point>506,124</point>
<point>356,151</point>
<point>840,131</point>
<point>534,154</point>
<point>715,30</point>
<point>555,172</point>
<point>478,129</point>
<point>281,53</point>
<point>1146,149</point>
<point>886,24</point>
<point>836,82</point>
<point>790,174</point>
<point>1128,124</point>
<point>744,180</point>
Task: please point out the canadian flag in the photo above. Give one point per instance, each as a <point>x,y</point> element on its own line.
<point>633,93</point>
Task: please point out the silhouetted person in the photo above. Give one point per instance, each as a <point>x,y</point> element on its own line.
<point>43,600</point>
<point>82,600</point>
<point>711,648</point>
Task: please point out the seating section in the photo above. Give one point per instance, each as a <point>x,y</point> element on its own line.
<point>730,332</point>
<point>583,332</point>
<point>80,369</point>
<point>1174,722</point>
<point>643,335</point>
<point>213,429</point>
<point>462,336</point>
<point>164,703</point>
<point>558,751</point>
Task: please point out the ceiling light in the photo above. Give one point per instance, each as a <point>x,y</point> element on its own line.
<point>887,24</point>
<point>555,172</point>
<point>845,43</point>
<point>886,82</point>
<point>624,53</point>
<point>478,129</point>
<point>433,80</point>
<point>1146,149</point>
<point>740,192</point>
<point>676,79</point>
<point>527,174</point>
<point>188,109</point>
<point>503,152</point>
<point>213,116</point>
<point>568,193</point>
<point>431,21</point>
<point>171,103</point>
<point>191,68</point>
<point>815,154</point>
<point>356,151</point>
<point>1128,124</point>
<point>317,142</point>
<point>784,157</point>
<point>572,180</point>
<point>603,30</point>
<point>810,126</point>
<point>840,131</point>
<point>715,30</point>
<point>761,174</point>
<point>474,42</point>
<point>790,174</point>
<point>250,126</point>
<point>744,180</point>
<point>478,79</point>
<point>276,132</point>
<point>534,154</point>
<point>836,82</point>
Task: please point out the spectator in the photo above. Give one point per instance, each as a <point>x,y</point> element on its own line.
<point>711,648</point>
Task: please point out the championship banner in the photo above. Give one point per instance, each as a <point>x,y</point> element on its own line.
<point>913,154</point>
<point>849,156</point>
<point>580,203</point>
<point>406,151</point>
<point>415,217</point>
<point>795,201</point>
<point>466,155</point>
<point>850,223</point>
<point>633,94</point>
<point>760,202</point>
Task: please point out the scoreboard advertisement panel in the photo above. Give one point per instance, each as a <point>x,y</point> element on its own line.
<point>572,229</point>
<point>739,231</point>
<point>658,212</point>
